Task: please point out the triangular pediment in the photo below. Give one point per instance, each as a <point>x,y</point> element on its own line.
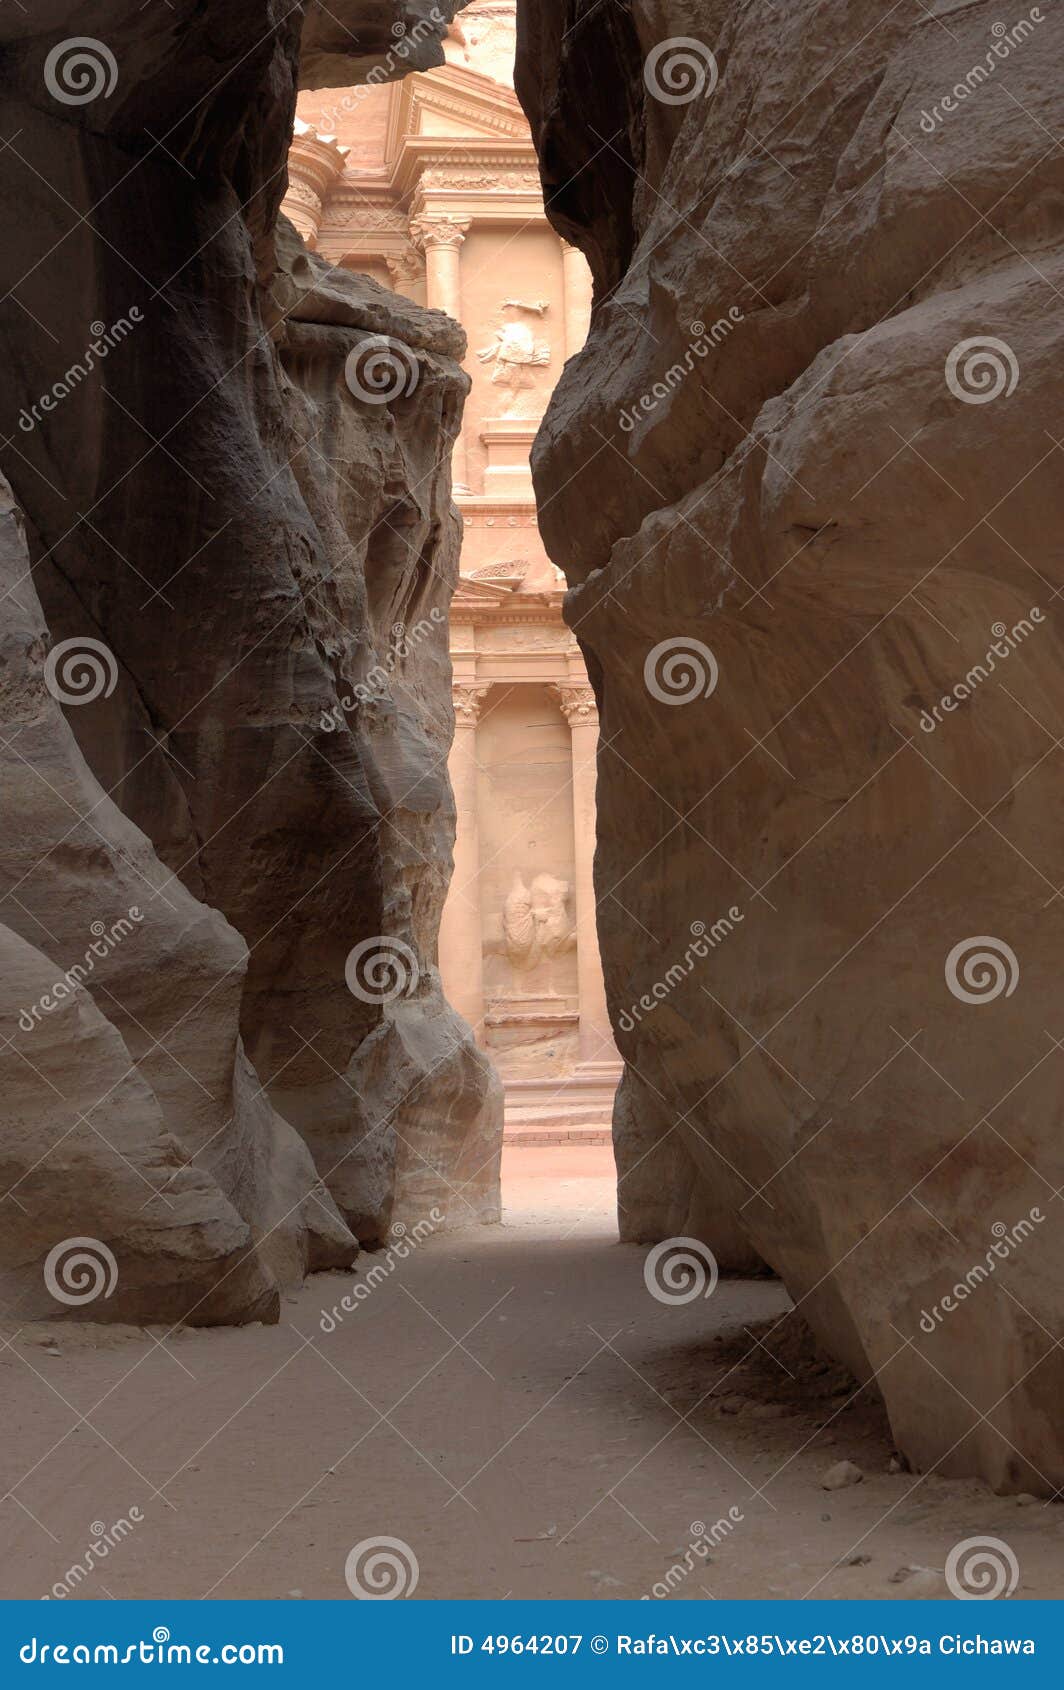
<point>452,102</point>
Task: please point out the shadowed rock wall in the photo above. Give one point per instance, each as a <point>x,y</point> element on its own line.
<point>225,683</point>
<point>805,480</point>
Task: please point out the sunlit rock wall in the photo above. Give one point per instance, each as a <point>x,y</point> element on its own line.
<point>806,483</point>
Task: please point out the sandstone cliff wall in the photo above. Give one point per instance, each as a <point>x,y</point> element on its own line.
<point>225,684</point>
<point>805,480</point>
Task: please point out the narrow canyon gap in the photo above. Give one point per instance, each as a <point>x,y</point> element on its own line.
<point>794,518</point>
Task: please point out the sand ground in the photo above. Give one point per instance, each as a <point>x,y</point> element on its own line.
<point>512,1404</point>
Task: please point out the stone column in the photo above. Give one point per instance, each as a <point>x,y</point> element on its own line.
<point>440,239</point>
<point>576,279</point>
<point>598,1054</point>
<point>461,936</point>
<point>315,162</point>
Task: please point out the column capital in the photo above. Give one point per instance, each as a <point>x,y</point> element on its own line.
<point>315,162</point>
<point>578,704</point>
<point>468,699</point>
<point>405,268</point>
<point>428,232</point>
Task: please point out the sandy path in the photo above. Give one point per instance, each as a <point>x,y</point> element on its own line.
<point>508,1403</point>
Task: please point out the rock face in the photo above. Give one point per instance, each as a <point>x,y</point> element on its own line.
<point>805,481</point>
<point>224,686</point>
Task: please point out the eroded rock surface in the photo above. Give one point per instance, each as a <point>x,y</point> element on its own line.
<point>805,480</point>
<point>246,737</point>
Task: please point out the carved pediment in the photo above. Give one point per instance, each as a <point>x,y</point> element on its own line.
<point>451,102</point>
